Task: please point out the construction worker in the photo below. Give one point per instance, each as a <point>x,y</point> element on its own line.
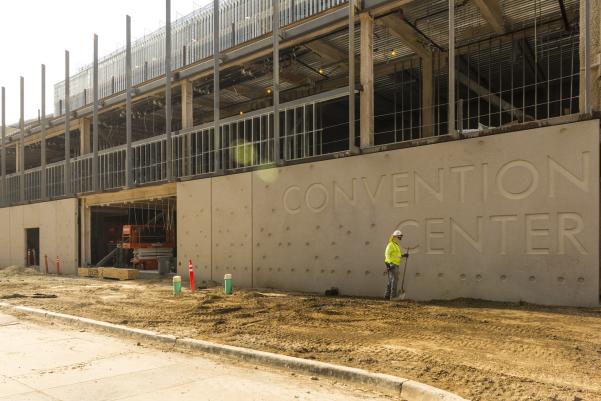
<point>392,259</point>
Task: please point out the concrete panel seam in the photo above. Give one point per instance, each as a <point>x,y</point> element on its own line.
<point>407,389</point>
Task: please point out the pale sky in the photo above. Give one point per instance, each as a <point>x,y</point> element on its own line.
<point>35,32</point>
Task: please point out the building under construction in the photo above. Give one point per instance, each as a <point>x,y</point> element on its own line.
<point>284,151</point>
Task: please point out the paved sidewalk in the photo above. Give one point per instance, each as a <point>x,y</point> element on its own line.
<point>43,363</point>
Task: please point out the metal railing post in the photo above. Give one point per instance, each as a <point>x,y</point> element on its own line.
<point>95,169</point>
<point>128,152</point>
<point>43,189</point>
<point>67,169</point>
<point>276,80</point>
<point>451,123</point>
<point>168,78</point>
<point>216,97</point>
<point>22,139</point>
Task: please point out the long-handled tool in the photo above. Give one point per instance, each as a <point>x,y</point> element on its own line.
<point>402,296</point>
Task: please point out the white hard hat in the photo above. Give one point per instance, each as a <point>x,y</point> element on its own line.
<point>397,233</point>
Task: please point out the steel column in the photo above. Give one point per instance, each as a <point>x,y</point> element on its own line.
<point>22,139</point>
<point>587,57</point>
<point>351,76</point>
<point>95,172</point>
<point>67,170</point>
<point>43,186</point>
<point>3,151</point>
<point>216,97</point>
<point>451,123</point>
<point>276,80</point>
<point>168,78</point>
<point>128,153</point>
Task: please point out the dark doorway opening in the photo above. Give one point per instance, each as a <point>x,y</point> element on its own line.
<point>32,240</point>
<point>140,234</point>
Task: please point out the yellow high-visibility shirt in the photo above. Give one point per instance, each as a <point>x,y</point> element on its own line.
<point>393,253</point>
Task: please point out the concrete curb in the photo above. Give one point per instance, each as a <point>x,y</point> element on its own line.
<point>407,389</point>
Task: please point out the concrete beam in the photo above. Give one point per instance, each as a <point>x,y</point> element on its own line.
<point>187,103</point>
<point>401,28</point>
<point>327,51</point>
<point>84,136</point>
<point>493,14</point>
<point>187,121</point>
<point>427,96</point>
<point>367,81</point>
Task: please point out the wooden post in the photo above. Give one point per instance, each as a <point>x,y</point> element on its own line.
<point>367,80</point>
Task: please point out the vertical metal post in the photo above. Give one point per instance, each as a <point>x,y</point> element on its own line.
<point>351,76</point>
<point>216,97</point>
<point>587,57</point>
<point>128,153</point>
<point>168,74</point>
<point>276,80</point>
<point>22,139</point>
<point>43,189</point>
<point>3,168</point>
<point>67,170</point>
<point>451,67</point>
<point>95,172</point>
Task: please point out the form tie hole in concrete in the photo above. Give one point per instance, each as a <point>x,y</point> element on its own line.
<point>348,232</point>
<point>440,275</point>
<point>307,270</point>
<point>461,276</point>
<point>418,274</point>
<point>290,243</point>
<point>316,257</point>
<point>287,228</point>
<point>279,244</point>
<point>333,243</point>
<point>323,271</point>
<point>279,269</point>
<point>348,272</point>
<point>503,277</point>
<point>259,269</point>
<point>478,277</point>
<point>246,268</point>
<point>271,269</point>
<point>340,227</point>
<point>561,279</point>
<point>581,280</point>
<point>366,272</point>
<point>234,268</point>
<point>269,234</point>
<point>317,227</point>
<point>332,271</point>
<point>264,256</point>
<point>366,243</point>
<point>531,278</point>
<point>272,210</point>
<point>307,243</point>
<point>262,229</point>
<point>258,244</point>
<point>336,257</point>
<point>373,225</point>
<point>293,270</point>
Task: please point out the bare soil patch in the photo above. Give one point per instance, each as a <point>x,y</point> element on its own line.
<point>480,350</point>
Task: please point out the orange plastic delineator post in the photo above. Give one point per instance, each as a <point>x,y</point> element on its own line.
<point>191,272</point>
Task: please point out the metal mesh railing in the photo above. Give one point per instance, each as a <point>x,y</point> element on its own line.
<point>192,41</point>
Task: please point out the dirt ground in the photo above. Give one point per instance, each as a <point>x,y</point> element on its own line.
<point>480,350</point>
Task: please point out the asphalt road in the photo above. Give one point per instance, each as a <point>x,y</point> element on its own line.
<point>48,362</point>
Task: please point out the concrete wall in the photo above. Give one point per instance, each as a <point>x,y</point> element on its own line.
<point>505,217</point>
<point>57,221</point>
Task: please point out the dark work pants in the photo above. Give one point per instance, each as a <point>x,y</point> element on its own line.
<point>393,279</point>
